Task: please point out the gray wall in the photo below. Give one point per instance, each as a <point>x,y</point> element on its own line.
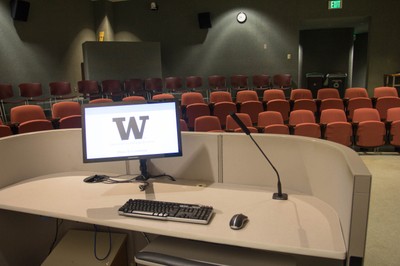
<point>49,46</point>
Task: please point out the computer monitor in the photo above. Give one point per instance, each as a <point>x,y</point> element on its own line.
<point>120,131</point>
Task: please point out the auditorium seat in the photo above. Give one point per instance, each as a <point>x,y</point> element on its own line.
<point>232,126</point>
<point>32,92</point>
<point>238,83</point>
<point>327,93</point>
<point>274,100</point>
<point>222,110</point>
<point>393,120</point>
<point>4,130</point>
<point>302,123</point>
<point>207,123</point>
<point>135,86</point>
<point>89,89</point>
<point>7,97</point>
<point>384,103</point>
<point>216,83</point>
<point>153,86</point>
<point>271,122</point>
<point>369,130</point>
<point>60,90</point>
<point>101,100</point>
<point>67,114</point>
<point>112,88</point>
<point>133,98</point>
<point>247,102</point>
<point>261,82</point>
<point>163,96</point>
<point>29,118</point>
<point>385,91</point>
<point>335,126</point>
<point>356,103</point>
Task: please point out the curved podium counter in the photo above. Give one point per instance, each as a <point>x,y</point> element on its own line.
<point>325,216</point>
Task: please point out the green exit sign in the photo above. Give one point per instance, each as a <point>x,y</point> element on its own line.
<point>335,4</point>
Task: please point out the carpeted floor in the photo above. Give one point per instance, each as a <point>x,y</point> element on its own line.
<point>383,240</point>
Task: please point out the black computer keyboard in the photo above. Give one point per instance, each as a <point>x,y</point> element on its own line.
<point>171,211</point>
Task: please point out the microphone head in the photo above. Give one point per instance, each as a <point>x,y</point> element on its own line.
<point>240,123</point>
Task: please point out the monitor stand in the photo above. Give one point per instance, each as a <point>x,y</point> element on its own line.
<point>144,174</point>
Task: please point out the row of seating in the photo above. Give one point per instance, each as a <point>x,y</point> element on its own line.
<point>368,131</point>
<point>220,103</point>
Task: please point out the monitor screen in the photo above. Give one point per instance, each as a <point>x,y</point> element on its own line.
<point>130,130</point>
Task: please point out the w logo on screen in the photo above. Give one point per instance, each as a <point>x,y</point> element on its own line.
<point>132,126</point>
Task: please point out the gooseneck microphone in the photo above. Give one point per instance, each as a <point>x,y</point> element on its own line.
<point>276,196</point>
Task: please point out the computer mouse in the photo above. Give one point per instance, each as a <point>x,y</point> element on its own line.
<point>95,178</point>
<point>238,221</point>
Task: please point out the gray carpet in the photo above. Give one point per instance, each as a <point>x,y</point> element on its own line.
<point>383,240</point>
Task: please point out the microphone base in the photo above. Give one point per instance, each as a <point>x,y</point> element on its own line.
<point>277,196</point>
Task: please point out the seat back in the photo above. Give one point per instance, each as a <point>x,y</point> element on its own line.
<point>282,80</point>
<point>281,106</point>
<point>246,95</point>
<point>273,94</point>
<point>88,87</point>
<point>385,91</point>
<point>191,97</point>
<point>195,110</point>
<point>331,103</point>
<point>355,93</point>
<point>72,121</point>
<point>384,103</point>
<point>163,96</point>
<point>154,85</point>
<point>60,88</point>
<point>6,91</point>
<point>194,82</point>
<point>64,109</point>
<point>356,103</point>
<point>24,113</point>
<point>183,125</point>
<point>111,86</point>
<point>30,90</point>
<point>326,93</point>
<point>297,94</point>
<point>232,125</point>
<point>305,104</point>
<point>217,82</point>
<point>301,116</point>
<point>332,115</point>
<point>261,81</point>
<point>207,123</point>
<point>393,114</point>
<point>173,84</point>
<point>133,98</point>
<point>220,96</point>
<point>267,118</point>
<point>366,114</point>
<point>239,81</point>
<point>134,86</point>
<point>101,100</point>
<point>222,110</point>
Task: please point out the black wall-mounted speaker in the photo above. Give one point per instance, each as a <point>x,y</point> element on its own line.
<point>204,20</point>
<point>19,9</point>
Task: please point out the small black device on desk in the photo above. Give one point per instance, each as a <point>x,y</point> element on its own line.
<point>238,221</point>
<point>96,178</point>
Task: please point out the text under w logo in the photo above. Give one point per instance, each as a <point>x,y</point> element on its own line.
<point>132,126</point>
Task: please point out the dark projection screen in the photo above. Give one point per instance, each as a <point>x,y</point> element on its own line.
<point>121,60</point>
